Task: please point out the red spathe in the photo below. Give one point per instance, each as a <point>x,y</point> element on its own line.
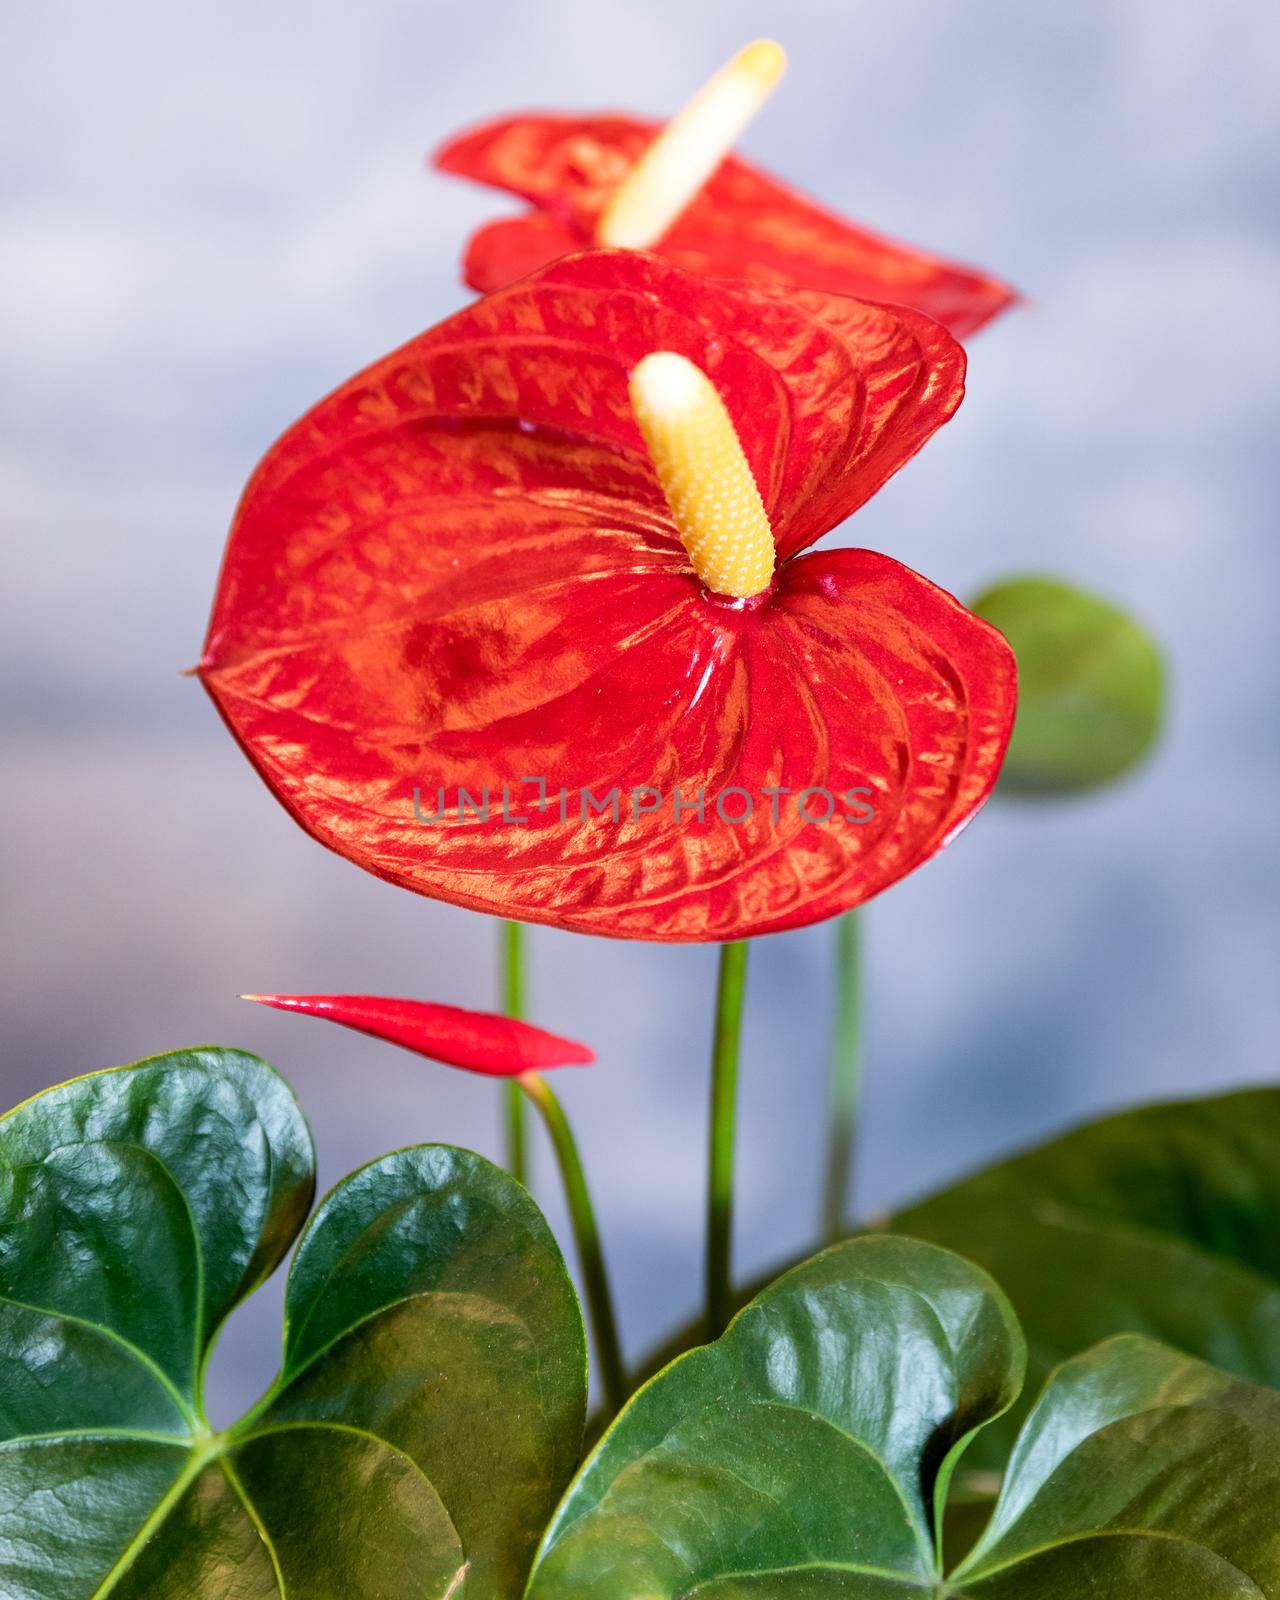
<point>459,572</point>
<point>743,224</point>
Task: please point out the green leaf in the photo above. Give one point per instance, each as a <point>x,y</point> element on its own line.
<point>137,1207</point>
<point>430,1404</point>
<point>1140,1475</point>
<point>1090,686</point>
<point>805,1454</point>
<point>806,1450</point>
<point>1163,1221</point>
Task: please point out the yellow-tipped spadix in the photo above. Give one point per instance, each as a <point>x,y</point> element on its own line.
<point>689,149</point>
<point>704,475</point>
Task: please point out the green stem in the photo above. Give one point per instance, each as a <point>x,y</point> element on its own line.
<point>724,1086</point>
<point>595,1277</point>
<point>513,1003</point>
<point>845,1080</point>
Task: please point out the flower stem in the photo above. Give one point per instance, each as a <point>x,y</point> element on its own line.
<point>724,1085</point>
<point>513,1003</point>
<point>845,1080</point>
<point>595,1277</point>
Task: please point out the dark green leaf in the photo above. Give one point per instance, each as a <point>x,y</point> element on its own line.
<point>1090,686</point>
<point>137,1207</point>
<point>1140,1475</point>
<point>1163,1221</point>
<point>804,1452</point>
<point>803,1456</point>
<point>430,1404</point>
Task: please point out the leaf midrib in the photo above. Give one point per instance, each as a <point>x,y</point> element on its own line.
<point>192,1411</point>
<point>251,1511</point>
<point>208,1450</point>
<point>982,1574</point>
<point>286,1377</point>
<point>924,1544</point>
<point>216,1451</point>
<point>148,1363</point>
<point>153,1520</point>
<point>931,1587</point>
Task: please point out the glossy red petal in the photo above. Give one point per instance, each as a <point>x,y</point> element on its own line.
<point>458,573</point>
<point>745,224</point>
<point>477,1041</point>
<point>829,396</point>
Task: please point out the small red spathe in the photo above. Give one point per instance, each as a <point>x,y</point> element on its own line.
<point>477,1041</point>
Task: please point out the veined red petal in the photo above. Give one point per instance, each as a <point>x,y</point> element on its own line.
<point>830,397</point>
<point>744,224</point>
<point>458,575</point>
<point>477,1041</point>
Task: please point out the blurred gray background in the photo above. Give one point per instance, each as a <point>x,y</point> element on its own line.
<point>212,214</point>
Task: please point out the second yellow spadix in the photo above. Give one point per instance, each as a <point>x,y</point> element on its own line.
<point>689,149</point>
<point>704,474</point>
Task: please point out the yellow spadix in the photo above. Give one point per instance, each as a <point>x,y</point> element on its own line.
<point>689,149</point>
<point>704,475</point>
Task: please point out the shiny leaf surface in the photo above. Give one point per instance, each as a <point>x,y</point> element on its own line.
<point>1139,1473</point>
<point>805,1452</point>
<point>477,1041</point>
<point>429,1407</point>
<point>1162,1221</point>
<point>458,635</point>
<point>744,224</point>
<point>1091,686</point>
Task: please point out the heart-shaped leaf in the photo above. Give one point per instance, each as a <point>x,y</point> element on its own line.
<point>430,1404</point>
<point>806,1455</point>
<point>1139,1475</point>
<point>806,1451</point>
<point>1090,686</point>
<point>1163,1221</point>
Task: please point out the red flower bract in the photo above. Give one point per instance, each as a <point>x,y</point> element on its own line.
<point>459,572</point>
<point>743,224</point>
<point>477,1041</point>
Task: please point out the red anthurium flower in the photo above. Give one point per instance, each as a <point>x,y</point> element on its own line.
<point>614,180</point>
<point>521,620</point>
<point>478,1041</point>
